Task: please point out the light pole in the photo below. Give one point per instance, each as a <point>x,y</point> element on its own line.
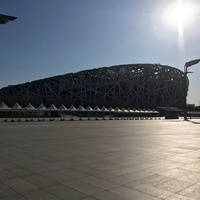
<point>186,71</point>
<point>4,19</point>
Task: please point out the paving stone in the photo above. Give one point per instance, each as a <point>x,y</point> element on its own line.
<point>4,175</point>
<point>118,180</point>
<point>19,184</point>
<point>64,192</point>
<point>20,171</point>
<point>83,187</point>
<point>195,167</point>
<point>153,191</point>
<point>179,197</point>
<point>39,180</point>
<point>106,195</point>
<point>129,159</point>
<point>86,170</point>
<point>123,171</point>
<point>154,180</point>
<point>88,198</point>
<point>56,176</point>
<point>39,194</point>
<point>73,173</point>
<point>132,194</point>
<point>14,197</point>
<point>36,168</point>
<point>138,175</point>
<point>174,185</point>
<point>6,191</point>
<point>175,173</point>
<point>6,164</point>
<point>192,191</point>
<point>49,158</point>
<point>99,182</point>
<point>52,166</point>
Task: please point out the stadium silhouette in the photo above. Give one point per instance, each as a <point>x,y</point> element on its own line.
<point>129,86</point>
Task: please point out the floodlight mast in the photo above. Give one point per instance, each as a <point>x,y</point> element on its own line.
<point>4,19</point>
<point>186,71</point>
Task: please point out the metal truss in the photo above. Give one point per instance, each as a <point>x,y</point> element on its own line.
<point>133,85</point>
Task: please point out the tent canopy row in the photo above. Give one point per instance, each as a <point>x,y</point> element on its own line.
<point>41,107</point>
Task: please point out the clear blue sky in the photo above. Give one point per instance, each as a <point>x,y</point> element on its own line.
<point>55,37</point>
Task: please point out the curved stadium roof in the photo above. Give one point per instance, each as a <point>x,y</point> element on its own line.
<point>132,85</point>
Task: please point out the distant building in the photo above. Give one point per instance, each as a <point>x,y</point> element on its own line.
<point>132,85</point>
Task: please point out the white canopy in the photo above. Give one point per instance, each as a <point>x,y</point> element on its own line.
<point>134,110</point>
<point>104,108</point>
<point>52,107</point>
<point>72,108</point>
<point>41,107</point>
<point>138,110</point>
<point>89,108</point>
<point>144,111</point>
<point>117,109</point>
<point>111,109</point>
<point>30,107</point>
<point>80,108</point>
<point>62,107</point>
<point>17,107</point>
<point>154,111</point>
<point>124,110</point>
<point>97,108</point>
<point>4,107</point>
<point>129,110</point>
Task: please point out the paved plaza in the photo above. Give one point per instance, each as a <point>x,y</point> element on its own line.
<point>102,160</point>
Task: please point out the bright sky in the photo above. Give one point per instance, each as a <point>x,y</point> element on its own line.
<point>55,37</point>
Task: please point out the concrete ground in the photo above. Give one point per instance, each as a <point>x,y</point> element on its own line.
<point>103,160</point>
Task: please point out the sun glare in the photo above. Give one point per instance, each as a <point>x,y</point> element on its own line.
<point>179,16</point>
<point>179,12</point>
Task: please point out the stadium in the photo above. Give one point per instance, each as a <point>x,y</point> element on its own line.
<point>128,86</point>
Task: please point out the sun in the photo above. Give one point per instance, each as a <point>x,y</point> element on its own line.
<point>180,16</point>
<point>179,12</point>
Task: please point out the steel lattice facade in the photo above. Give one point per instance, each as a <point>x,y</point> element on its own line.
<point>133,85</point>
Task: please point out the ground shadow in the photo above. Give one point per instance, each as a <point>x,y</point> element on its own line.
<point>193,122</point>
